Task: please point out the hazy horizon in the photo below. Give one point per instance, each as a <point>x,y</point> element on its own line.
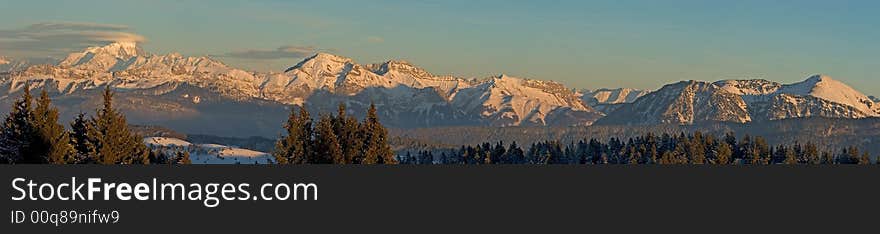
<point>584,44</point>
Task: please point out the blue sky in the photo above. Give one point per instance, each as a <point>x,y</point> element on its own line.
<point>585,44</point>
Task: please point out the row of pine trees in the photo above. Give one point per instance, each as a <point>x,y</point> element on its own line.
<point>32,134</point>
<point>647,149</point>
<point>334,139</point>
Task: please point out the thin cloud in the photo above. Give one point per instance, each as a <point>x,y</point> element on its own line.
<point>84,26</point>
<point>52,39</point>
<point>375,39</point>
<point>279,53</point>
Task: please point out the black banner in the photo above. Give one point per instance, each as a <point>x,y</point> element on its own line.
<point>449,199</point>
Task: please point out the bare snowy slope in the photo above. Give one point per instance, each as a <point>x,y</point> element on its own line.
<point>209,153</point>
<point>612,96</point>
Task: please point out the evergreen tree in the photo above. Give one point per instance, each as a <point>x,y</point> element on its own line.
<point>827,158</point>
<point>427,158</point>
<point>865,159</point>
<point>790,157</point>
<point>515,154</point>
<point>182,157</point>
<point>31,134</point>
<point>19,132</point>
<point>113,142</point>
<point>346,129</point>
<point>327,149</point>
<point>667,158</point>
<point>811,154</point>
<point>79,139</point>
<point>159,157</point>
<point>52,141</point>
<point>293,148</point>
<point>376,148</point>
<point>723,154</point>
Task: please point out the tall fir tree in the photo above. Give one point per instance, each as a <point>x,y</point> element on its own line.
<point>346,129</point>
<point>52,141</point>
<point>79,139</point>
<point>113,142</point>
<point>327,149</point>
<point>294,147</point>
<point>18,131</point>
<point>376,149</point>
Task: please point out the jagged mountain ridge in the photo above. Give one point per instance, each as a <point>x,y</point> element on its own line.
<point>195,93</point>
<point>612,96</point>
<point>743,101</point>
<point>407,95</point>
<point>608,100</point>
<point>686,102</point>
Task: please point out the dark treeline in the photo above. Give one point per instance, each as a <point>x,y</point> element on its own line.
<point>31,134</point>
<point>338,139</point>
<point>647,149</point>
<point>830,134</point>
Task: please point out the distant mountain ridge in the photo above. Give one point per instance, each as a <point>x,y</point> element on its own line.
<point>174,89</point>
<point>744,101</point>
<point>197,94</point>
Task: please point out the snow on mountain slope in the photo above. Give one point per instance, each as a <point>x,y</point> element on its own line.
<point>510,101</point>
<point>755,87</point>
<point>166,141</point>
<point>11,65</point>
<point>824,87</point>
<point>209,153</point>
<point>612,96</point>
<point>685,102</point>
<point>407,95</point>
<point>777,101</point>
<point>195,93</point>
<point>744,101</point>
<point>125,66</point>
<point>785,106</point>
<point>112,57</point>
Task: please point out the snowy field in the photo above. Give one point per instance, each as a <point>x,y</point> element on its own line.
<point>209,153</point>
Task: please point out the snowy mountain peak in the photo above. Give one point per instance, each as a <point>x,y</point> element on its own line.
<point>320,61</point>
<point>105,58</point>
<point>400,66</point>
<point>820,78</point>
<point>118,49</point>
<point>827,88</point>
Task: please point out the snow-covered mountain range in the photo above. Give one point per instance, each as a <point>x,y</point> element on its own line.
<point>205,96</point>
<point>745,101</point>
<point>194,93</point>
